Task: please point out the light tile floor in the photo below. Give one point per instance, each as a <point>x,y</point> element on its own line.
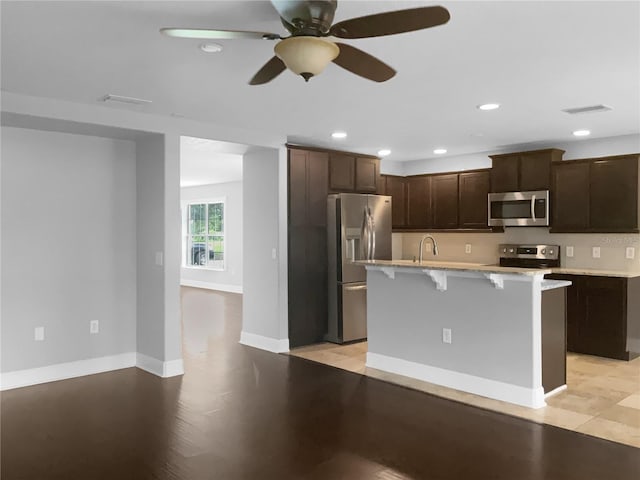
<point>602,396</point>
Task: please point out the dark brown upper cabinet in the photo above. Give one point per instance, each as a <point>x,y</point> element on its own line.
<point>367,174</point>
<point>614,194</point>
<point>349,173</point>
<point>396,187</point>
<point>444,201</point>
<point>523,171</point>
<point>570,196</point>
<point>419,214</point>
<point>473,188</point>
<point>342,172</point>
<point>597,195</point>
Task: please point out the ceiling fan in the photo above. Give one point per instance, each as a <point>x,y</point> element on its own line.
<point>310,48</point>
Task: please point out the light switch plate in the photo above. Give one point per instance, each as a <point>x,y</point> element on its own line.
<point>94,326</point>
<point>159,259</point>
<point>467,248</point>
<point>595,252</point>
<point>630,253</point>
<point>38,334</point>
<point>446,335</point>
<point>569,252</point>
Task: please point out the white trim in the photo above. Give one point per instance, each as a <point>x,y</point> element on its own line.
<point>506,392</point>
<point>62,371</point>
<point>159,368</point>
<point>224,287</point>
<point>633,345</point>
<point>554,391</point>
<point>264,343</point>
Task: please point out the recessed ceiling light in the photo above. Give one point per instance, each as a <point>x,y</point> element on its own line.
<point>582,133</point>
<point>339,134</point>
<point>384,152</point>
<point>210,47</point>
<point>489,106</point>
<point>440,151</point>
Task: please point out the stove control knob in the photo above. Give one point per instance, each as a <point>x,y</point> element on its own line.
<point>544,251</point>
<point>511,250</point>
<point>551,251</point>
<point>504,250</point>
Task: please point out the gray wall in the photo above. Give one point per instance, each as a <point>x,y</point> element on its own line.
<point>260,306</point>
<point>150,241</point>
<point>492,329</point>
<point>68,247</point>
<point>232,193</point>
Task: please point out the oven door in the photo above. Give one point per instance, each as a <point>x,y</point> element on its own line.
<point>519,209</point>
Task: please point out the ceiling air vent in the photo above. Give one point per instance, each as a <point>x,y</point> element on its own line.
<point>121,99</point>
<point>589,109</point>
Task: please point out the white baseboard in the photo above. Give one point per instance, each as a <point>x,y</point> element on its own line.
<point>162,369</point>
<point>223,287</point>
<point>91,366</point>
<point>506,392</point>
<point>62,371</point>
<point>264,343</point>
<point>551,393</point>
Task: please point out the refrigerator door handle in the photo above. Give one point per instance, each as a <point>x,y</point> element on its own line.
<point>364,235</point>
<point>373,237</point>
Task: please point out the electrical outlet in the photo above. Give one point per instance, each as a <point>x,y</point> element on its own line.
<point>94,326</point>
<point>467,248</point>
<point>630,253</point>
<point>595,252</point>
<point>446,335</point>
<point>159,259</point>
<point>274,254</point>
<point>569,252</point>
<point>38,334</point>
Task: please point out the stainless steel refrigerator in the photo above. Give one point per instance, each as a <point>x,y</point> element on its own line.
<point>359,228</point>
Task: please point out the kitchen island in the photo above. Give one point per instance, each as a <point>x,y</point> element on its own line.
<point>475,328</point>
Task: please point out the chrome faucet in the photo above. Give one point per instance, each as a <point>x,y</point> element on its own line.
<point>435,245</point>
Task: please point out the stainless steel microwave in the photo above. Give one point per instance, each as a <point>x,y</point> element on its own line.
<point>519,209</point>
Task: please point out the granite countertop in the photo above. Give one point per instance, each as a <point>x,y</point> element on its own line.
<point>594,272</point>
<point>461,266</point>
<point>479,267</point>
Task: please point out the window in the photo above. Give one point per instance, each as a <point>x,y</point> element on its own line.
<point>204,238</point>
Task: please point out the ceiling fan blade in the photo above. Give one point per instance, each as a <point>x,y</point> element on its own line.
<point>268,72</point>
<point>216,34</point>
<point>390,23</point>
<point>363,64</point>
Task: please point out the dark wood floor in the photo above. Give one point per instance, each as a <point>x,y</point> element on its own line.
<point>241,413</point>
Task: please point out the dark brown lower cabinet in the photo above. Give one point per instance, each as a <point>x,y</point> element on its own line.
<point>554,339</point>
<point>603,316</point>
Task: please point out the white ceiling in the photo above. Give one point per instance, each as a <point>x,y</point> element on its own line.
<point>205,162</point>
<point>535,58</point>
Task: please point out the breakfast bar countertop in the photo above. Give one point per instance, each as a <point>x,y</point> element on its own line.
<point>492,268</point>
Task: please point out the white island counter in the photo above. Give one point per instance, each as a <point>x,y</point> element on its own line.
<point>493,315</point>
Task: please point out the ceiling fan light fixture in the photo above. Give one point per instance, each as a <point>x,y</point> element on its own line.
<point>306,56</point>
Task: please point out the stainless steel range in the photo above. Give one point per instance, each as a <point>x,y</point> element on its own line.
<point>529,256</point>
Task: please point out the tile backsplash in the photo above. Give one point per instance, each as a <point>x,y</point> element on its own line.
<point>484,247</point>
